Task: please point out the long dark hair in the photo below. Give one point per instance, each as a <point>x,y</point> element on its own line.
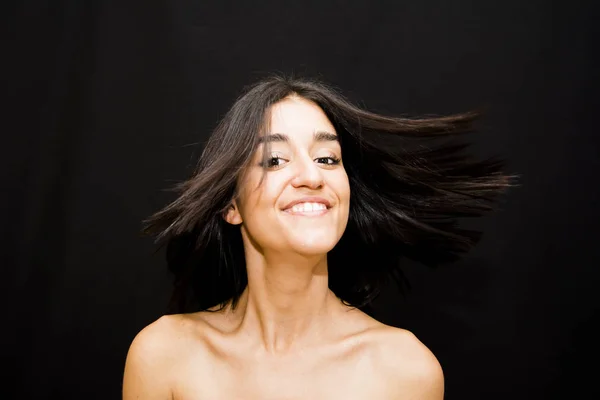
<point>408,182</point>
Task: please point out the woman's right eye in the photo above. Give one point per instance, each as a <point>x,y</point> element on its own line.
<point>273,162</point>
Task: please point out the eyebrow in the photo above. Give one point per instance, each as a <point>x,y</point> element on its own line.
<point>318,136</point>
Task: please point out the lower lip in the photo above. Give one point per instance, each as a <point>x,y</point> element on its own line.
<point>316,213</point>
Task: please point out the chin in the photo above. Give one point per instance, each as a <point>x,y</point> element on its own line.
<point>314,245</point>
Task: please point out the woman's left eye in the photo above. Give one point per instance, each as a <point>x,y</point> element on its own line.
<point>328,160</point>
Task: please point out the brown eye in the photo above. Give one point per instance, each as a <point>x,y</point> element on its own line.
<point>328,160</point>
<point>273,162</point>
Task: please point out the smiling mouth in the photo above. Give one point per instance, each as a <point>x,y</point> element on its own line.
<point>307,209</point>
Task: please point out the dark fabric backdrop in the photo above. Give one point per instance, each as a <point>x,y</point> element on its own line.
<point>107,104</point>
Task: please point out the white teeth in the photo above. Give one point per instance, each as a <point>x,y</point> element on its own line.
<point>308,207</point>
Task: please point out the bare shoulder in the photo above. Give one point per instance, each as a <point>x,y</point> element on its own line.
<point>151,358</point>
<point>152,336</point>
<point>410,367</point>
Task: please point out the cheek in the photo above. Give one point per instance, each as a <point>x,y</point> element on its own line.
<point>258,208</point>
<point>343,191</point>
<point>341,186</point>
<point>260,198</point>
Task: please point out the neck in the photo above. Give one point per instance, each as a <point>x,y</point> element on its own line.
<point>287,301</point>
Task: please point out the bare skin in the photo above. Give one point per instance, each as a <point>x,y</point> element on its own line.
<point>289,337</point>
<point>217,356</point>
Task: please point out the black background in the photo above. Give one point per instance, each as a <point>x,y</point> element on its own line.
<point>108,103</point>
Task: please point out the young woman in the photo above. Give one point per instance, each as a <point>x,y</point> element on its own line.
<point>299,210</point>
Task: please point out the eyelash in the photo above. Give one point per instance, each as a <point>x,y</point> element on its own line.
<point>334,161</point>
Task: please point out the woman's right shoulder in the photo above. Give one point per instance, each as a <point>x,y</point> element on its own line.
<point>156,352</point>
<point>170,331</point>
<point>156,341</point>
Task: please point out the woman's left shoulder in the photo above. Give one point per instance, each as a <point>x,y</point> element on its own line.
<point>402,343</point>
<point>388,335</point>
<point>410,366</point>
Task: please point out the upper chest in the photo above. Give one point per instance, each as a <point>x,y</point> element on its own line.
<point>350,373</point>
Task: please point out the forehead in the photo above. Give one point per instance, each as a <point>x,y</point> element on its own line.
<point>296,116</point>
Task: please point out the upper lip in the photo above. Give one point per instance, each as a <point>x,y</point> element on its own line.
<point>308,200</point>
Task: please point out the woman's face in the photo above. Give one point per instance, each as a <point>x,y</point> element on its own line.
<point>303,202</point>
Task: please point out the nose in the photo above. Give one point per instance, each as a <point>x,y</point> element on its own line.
<point>307,174</point>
